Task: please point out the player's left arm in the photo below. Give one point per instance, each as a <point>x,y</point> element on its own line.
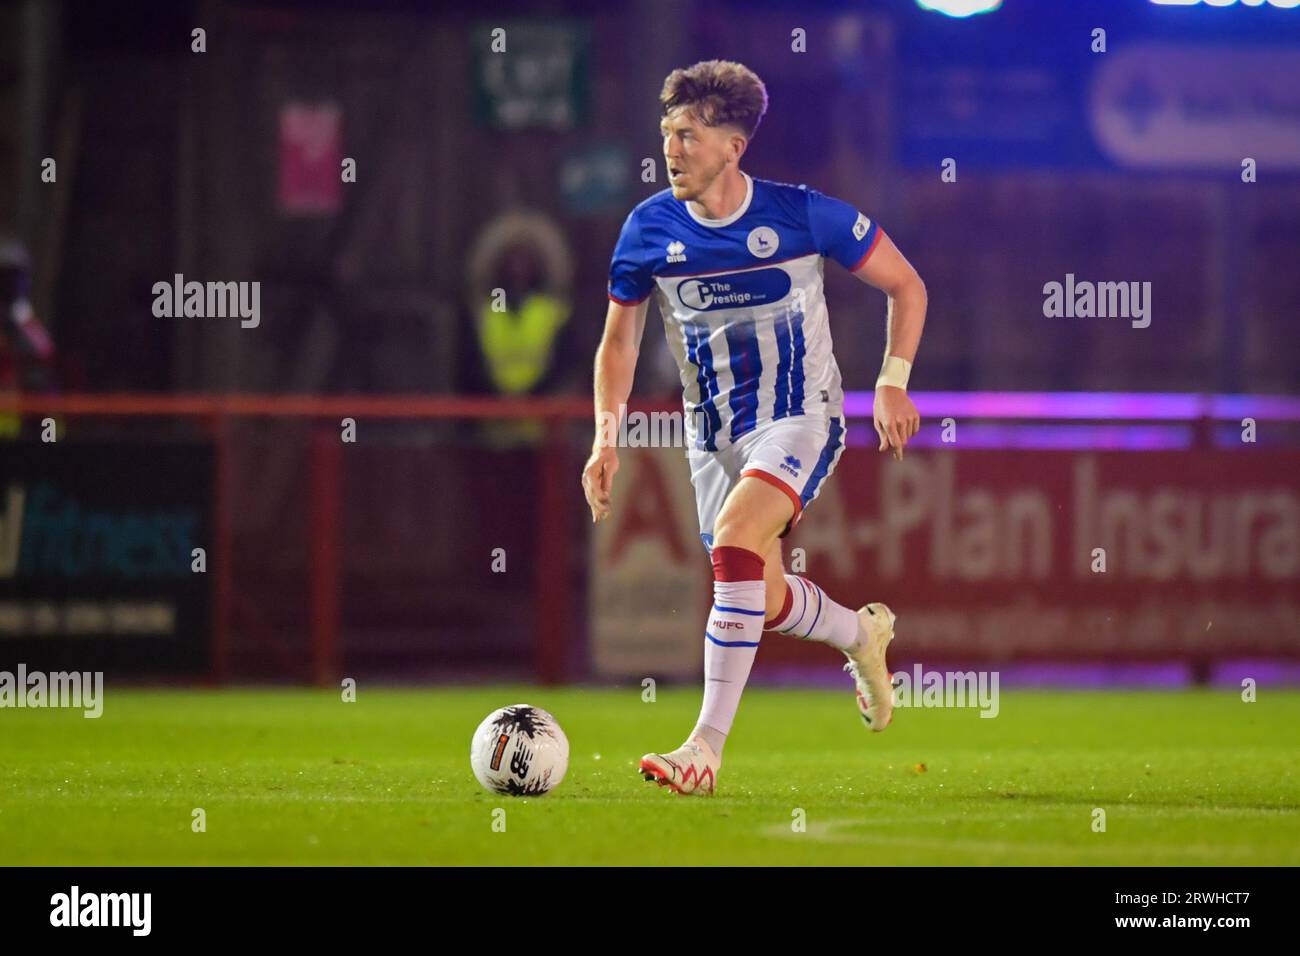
<point>895,417</point>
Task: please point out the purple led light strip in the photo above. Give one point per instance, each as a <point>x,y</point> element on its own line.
<point>1093,406</point>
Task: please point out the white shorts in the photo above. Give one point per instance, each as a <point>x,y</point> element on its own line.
<point>795,454</point>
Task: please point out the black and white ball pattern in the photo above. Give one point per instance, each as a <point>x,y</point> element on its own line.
<point>519,751</point>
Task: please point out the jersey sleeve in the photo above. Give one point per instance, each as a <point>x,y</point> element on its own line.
<point>630,280</point>
<point>840,231</point>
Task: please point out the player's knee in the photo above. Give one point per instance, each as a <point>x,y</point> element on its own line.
<point>737,532</point>
<point>729,533</point>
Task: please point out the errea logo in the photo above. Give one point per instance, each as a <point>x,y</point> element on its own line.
<point>676,251</point>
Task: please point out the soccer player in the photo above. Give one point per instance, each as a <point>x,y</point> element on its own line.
<point>735,265</point>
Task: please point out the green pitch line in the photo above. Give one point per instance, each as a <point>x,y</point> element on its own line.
<point>299,777</point>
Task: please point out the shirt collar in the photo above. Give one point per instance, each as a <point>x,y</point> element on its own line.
<point>740,210</point>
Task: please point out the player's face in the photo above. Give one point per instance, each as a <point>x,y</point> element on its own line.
<point>694,154</point>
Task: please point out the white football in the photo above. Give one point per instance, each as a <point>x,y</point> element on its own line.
<point>519,750</point>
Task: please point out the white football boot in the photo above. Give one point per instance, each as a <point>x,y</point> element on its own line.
<point>867,665</point>
<point>690,769</point>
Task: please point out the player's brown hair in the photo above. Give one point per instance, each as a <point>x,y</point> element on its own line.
<point>718,92</point>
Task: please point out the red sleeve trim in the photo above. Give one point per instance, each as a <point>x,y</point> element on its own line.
<point>614,298</point>
<point>870,249</point>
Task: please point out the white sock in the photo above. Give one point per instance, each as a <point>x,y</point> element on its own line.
<point>731,638</point>
<point>812,616</point>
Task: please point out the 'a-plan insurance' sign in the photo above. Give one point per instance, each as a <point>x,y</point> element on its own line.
<point>986,556</point>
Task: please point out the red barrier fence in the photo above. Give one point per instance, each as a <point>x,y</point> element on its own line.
<point>215,416</point>
<point>386,507</point>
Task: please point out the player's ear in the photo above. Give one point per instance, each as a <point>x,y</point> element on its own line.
<point>738,144</point>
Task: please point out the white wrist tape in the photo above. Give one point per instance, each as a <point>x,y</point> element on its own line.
<point>895,372</point>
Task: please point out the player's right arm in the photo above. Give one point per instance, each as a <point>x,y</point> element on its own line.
<point>630,283</point>
<point>615,365</point>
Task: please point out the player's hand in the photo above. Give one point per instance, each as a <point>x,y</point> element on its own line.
<point>598,479</point>
<point>895,417</point>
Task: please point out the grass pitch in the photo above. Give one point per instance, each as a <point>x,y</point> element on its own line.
<point>299,777</point>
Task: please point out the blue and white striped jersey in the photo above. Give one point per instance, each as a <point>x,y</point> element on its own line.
<point>742,301</point>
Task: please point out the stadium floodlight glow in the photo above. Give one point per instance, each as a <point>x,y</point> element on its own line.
<point>961,8</point>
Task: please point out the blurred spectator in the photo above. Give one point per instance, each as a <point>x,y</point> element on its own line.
<point>26,350</point>
<point>520,277</point>
<point>519,322</point>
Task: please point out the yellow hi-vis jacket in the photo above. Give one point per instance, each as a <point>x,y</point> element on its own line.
<point>517,344</point>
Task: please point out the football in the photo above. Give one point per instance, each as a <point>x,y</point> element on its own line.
<point>519,750</point>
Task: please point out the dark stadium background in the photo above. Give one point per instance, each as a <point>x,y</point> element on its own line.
<point>326,559</point>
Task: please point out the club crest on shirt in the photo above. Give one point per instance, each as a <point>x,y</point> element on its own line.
<point>762,241</point>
